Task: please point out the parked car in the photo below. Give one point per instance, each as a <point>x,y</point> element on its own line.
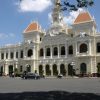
<point>59,76</point>
<point>30,76</point>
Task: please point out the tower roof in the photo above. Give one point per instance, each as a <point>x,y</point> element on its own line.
<point>34,26</point>
<point>83,17</point>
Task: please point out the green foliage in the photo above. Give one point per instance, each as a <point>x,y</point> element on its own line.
<point>67,5</point>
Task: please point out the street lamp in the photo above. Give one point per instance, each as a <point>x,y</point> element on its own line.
<point>73,68</point>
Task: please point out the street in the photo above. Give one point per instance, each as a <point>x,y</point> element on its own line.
<point>79,85</point>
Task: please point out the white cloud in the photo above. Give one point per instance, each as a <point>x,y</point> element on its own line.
<point>72,15</point>
<point>5,36</point>
<point>33,5</point>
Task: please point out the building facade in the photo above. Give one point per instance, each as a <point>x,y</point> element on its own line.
<point>61,50</point>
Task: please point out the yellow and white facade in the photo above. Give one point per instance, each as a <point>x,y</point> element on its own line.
<point>62,49</point>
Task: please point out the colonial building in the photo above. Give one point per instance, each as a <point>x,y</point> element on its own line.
<point>62,49</point>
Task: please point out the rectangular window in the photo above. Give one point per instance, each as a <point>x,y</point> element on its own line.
<point>6,55</point>
<point>98,47</point>
<point>2,55</point>
<point>21,55</point>
<point>16,54</point>
<point>11,55</point>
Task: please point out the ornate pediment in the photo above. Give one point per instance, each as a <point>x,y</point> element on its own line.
<point>82,34</point>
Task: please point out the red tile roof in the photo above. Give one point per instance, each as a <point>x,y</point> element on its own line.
<point>83,17</point>
<point>34,26</point>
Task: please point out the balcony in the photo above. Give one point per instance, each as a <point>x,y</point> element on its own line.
<point>28,58</point>
<point>78,54</point>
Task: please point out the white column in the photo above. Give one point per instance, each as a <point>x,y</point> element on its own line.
<point>44,52</point>
<point>89,48</point>
<point>0,55</point>
<point>16,65</point>
<point>58,51</point>
<point>66,50</point>
<point>66,68</point>
<point>44,69</point>
<point>6,69</point>
<point>76,48</point>
<point>51,69</point>
<point>24,53</point>
<point>51,51</point>
<point>34,52</point>
<point>4,54</point>
<point>9,54</point>
<point>19,52</point>
<point>14,53</point>
<point>58,68</point>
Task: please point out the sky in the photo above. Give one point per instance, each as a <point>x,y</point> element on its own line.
<point>15,16</point>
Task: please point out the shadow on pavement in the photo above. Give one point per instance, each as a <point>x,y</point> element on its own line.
<point>51,95</point>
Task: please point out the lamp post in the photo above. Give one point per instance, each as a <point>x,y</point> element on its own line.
<point>73,67</point>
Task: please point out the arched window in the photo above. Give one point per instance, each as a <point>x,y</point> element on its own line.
<point>48,52</point>
<point>30,53</point>
<point>83,68</point>
<point>55,51</point>
<point>98,47</point>
<point>83,48</point>
<point>70,50</point>
<point>63,50</point>
<point>41,52</point>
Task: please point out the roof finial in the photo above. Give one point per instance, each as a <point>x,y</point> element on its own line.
<point>56,15</point>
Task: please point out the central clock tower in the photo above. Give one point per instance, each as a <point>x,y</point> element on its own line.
<point>58,25</point>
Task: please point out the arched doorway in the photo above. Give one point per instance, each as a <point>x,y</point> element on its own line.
<point>10,69</point>
<point>55,71</point>
<point>48,71</point>
<point>70,70</point>
<point>40,70</point>
<point>83,69</point>
<point>1,70</point>
<point>62,69</point>
<point>98,69</point>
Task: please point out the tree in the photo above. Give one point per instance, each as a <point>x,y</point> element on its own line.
<point>67,5</point>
